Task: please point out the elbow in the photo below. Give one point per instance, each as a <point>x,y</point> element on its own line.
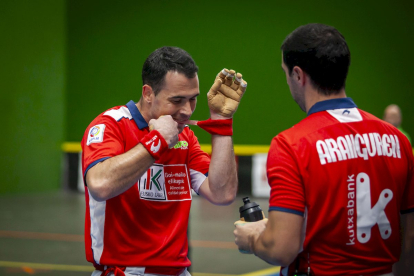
<point>281,254</point>
<point>225,201</point>
<point>286,260</point>
<point>289,254</point>
<point>229,199</point>
<point>283,259</point>
<point>98,190</point>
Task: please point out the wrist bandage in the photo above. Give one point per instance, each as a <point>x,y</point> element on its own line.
<point>220,127</point>
<point>155,144</point>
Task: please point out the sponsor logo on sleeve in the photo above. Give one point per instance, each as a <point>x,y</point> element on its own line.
<point>95,134</point>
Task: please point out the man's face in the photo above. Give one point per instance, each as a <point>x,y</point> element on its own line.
<point>392,115</point>
<point>177,98</point>
<point>297,95</point>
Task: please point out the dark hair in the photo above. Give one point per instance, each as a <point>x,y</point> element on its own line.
<point>320,51</point>
<point>165,59</point>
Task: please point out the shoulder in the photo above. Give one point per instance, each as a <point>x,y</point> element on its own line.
<point>106,120</point>
<point>305,127</point>
<point>117,113</point>
<point>385,126</point>
<point>112,114</point>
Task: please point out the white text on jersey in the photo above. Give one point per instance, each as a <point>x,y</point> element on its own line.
<point>358,146</point>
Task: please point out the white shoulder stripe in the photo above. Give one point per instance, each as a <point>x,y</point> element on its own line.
<point>346,115</point>
<point>120,113</point>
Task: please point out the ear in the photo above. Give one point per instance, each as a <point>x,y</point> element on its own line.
<point>147,93</point>
<point>299,75</point>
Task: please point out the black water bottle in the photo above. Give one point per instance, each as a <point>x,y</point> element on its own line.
<point>250,211</point>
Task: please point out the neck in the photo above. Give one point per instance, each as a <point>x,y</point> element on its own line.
<point>143,109</point>
<point>312,96</point>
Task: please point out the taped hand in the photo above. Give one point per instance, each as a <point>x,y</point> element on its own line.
<point>225,94</point>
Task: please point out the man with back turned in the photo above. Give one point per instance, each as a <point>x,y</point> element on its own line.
<point>341,179</point>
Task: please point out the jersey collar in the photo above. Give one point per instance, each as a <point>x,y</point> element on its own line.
<point>139,120</point>
<point>332,104</point>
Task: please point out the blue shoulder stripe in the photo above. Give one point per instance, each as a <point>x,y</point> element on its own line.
<point>286,210</point>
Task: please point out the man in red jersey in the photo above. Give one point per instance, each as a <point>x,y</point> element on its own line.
<point>339,179</point>
<point>140,162</point>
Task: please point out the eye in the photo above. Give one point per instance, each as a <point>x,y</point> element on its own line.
<point>176,101</point>
<point>193,99</point>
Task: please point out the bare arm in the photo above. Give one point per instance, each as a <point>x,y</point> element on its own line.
<point>220,187</point>
<point>223,99</point>
<point>117,174</point>
<point>276,241</point>
<point>406,264</point>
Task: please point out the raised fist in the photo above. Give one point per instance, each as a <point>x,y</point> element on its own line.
<point>225,94</point>
<point>167,127</point>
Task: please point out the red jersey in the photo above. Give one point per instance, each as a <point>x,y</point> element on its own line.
<point>146,226</point>
<point>350,175</point>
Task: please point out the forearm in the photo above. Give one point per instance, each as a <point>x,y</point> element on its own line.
<point>269,250</point>
<point>222,174</point>
<point>119,173</point>
<point>276,240</point>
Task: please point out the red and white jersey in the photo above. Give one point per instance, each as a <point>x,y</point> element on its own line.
<point>146,226</point>
<point>350,175</point>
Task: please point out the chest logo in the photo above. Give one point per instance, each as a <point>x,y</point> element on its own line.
<point>165,183</point>
<point>181,145</point>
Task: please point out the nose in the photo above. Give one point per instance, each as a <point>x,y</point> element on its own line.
<point>187,109</point>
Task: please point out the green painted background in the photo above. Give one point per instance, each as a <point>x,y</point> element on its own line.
<point>64,62</point>
<point>109,42</point>
<point>32,94</point>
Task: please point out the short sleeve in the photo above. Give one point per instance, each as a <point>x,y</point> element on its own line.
<point>199,162</point>
<point>287,191</point>
<point>102,139</point>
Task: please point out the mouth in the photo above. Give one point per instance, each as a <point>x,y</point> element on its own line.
<point>181,122</point>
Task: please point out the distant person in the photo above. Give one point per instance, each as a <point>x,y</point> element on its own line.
<point>140,162</point>
<point>393,115</point>
<point>339,179</point>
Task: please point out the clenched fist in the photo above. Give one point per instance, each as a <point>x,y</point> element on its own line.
<point>225,94</point>
<point>167,127</point>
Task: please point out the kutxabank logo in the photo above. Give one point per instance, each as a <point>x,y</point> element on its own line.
<point>152,184</point>
<point>359,201</point>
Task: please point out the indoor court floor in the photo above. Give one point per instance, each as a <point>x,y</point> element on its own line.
<point>42,234</point>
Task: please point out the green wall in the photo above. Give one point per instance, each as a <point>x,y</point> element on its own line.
<point>32,82</point>
<point>64,61</point>
<point>109,42</point>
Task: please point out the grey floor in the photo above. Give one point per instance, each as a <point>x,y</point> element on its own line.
<point>42,234</point>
